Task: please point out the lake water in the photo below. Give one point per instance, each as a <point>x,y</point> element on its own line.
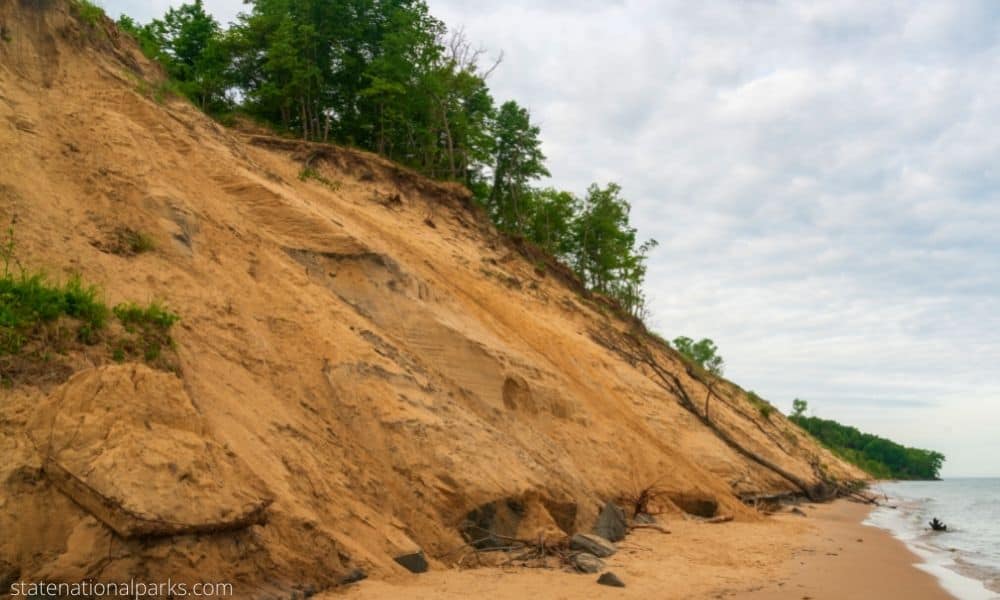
<point>966,558</point>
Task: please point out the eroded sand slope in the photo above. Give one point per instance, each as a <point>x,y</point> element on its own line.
<point>361,362</point>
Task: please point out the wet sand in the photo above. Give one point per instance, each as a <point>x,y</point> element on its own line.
<point>843,559</point>
<point>827,554</point>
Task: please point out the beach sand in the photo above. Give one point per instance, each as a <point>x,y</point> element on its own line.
<point>842,559</point>
<point>826,554</point>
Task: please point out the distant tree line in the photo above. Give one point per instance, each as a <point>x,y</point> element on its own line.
<point>878,456</point>
<point>386,76</point>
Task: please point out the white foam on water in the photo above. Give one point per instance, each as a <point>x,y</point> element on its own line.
<point>962,558</point>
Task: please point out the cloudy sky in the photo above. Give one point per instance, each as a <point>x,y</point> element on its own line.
<point>822,177</point>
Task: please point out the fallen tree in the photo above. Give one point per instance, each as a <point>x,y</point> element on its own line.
<point>636,352</point>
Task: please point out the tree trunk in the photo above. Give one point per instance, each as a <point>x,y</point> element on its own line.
<point>305,119</point>
<point>451,142</point>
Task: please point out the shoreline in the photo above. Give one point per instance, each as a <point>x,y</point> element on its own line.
<point>828,553</point>
<point>962,579</point>
<point>844,557</point>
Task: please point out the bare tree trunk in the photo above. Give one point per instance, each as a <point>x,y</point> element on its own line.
<point>451,142</point>
<point>381,129</point>
<point>305,119</point>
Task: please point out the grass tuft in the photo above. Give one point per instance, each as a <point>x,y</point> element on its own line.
<point>29,301</point>
<point>131,242</point>
<point>154,315</point>
<point>41,319</point>
<point>89,12</point>
<point>308,173</point>
<point>765,408</point>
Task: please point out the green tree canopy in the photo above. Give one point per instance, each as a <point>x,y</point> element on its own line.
<point>703,352</point>
<point>878,456</point>
<point>549,223</point>
<point>799,407</point>
<point>517,161</point>
<point>190,45</point>
<point>387,76</point>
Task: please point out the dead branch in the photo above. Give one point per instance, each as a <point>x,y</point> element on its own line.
<point>719,519</point>
<point>654,526</point>
<point>635,352</point>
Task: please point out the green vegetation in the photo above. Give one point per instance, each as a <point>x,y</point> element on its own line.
<point>130,242</point>
<point>799,407</point>
<point>386,76</point>
<point>605,250</point>
<point>39,318</point>
<point>703,353</point>
<point>138,242</point>
<point>878,456</point>
<point>765,408</point>
<point>28,302</point>
<point>308,173</point>
<point>517,161</point>
<point>150,328</point>
<point>89,12</point>
<point>154,315</point>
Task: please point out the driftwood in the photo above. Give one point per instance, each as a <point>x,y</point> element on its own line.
<point>865,499</point>
<point>719,519</point>
<point>654,526</point>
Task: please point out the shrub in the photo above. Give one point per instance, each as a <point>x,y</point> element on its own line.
<point>149,326</point>
<point>36,310</point>
<point>130,242</point>
<point>308,173</point>
<point>765,408</point>
<point>154,315</point>
<point>29,301</point>
<point>703,353</point>
<point>89,12</point>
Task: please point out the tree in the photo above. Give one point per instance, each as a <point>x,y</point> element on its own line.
<point>550,220</point>
<point>517,161</point>
<point>606,255</point>
<point>387,76</point>
<point>703,352</point>
<point>878,456</point>
<point>627,288</point>
<point>189,43</point>
<point>799,407</point>
<point>604,238</point>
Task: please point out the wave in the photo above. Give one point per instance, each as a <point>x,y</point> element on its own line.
<point>964,558</point>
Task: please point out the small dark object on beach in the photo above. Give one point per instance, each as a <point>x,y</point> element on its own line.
<point>937,525</point>
<point>610,579</point>
<point>354,576</point>
<point>415,562</point>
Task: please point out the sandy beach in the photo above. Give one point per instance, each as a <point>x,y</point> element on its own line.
<point>826,554</point>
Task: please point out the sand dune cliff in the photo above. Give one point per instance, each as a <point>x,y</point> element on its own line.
<point>361,360</point>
